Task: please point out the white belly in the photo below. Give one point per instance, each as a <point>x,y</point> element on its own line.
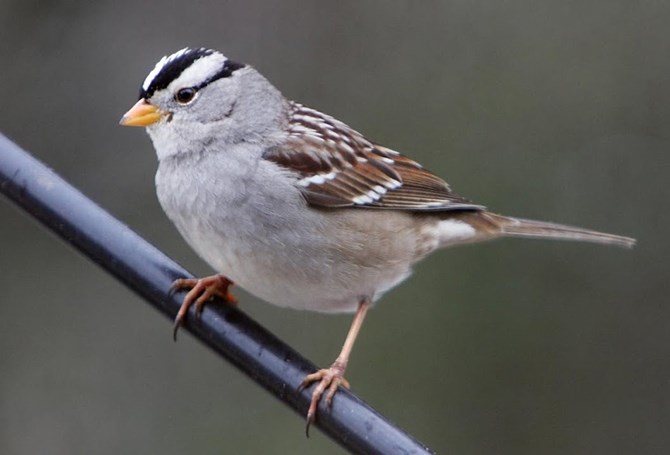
<point>272,245</point>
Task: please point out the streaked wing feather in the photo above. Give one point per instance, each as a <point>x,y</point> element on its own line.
<point>339,167</point>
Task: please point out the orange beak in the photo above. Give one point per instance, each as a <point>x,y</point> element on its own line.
<point>141,114</point>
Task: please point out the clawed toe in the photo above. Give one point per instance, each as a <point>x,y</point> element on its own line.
<point>201,290</point>
<point>328,381</point>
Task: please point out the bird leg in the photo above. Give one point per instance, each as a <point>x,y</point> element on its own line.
<point>330,378</point>
<point>201,290</point>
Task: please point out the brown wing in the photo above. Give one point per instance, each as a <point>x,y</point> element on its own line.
<point>338,167</point>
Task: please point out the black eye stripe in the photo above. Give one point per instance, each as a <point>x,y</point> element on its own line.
<point>226,71</point>
<point>172,70</point>
<point>176,66</point>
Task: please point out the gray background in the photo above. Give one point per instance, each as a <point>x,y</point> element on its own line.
<point>551,110</point>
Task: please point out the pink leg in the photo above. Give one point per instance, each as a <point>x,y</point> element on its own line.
<point>330,378</point>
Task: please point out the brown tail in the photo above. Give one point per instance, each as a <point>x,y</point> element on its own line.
<point>518,227</point>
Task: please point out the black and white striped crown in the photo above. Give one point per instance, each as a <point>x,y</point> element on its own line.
<point>212,64</point>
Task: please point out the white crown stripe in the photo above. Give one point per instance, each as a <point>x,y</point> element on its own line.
<point>160,65</point>
<point>206,64</point>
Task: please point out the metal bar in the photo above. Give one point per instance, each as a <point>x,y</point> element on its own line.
<point>228,331</point>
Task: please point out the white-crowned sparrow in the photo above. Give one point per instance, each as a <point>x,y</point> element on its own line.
<point>293,205</point>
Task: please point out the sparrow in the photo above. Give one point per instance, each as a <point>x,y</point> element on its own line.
<point>295,206</point>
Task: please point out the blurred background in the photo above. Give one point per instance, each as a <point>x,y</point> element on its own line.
<point>548,110</point>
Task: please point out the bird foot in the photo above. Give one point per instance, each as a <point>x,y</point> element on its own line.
<point>328,380</point>
<point>201,290</point>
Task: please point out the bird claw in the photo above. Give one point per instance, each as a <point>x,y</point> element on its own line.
<point>329,379</point>
<point>201,290</point>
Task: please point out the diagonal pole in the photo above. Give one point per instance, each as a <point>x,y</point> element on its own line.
<point>228,331</point>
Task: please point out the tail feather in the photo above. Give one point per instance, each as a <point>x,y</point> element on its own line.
<point>519,227</point>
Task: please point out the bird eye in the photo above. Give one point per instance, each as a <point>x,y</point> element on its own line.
<point>185,95</point>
